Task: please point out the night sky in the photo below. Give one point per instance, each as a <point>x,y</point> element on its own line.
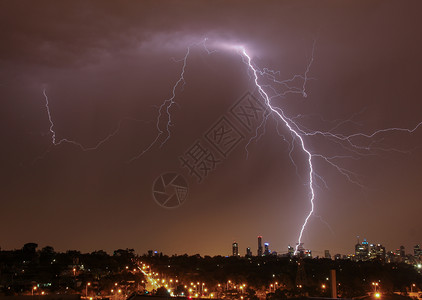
<point>104,64</point>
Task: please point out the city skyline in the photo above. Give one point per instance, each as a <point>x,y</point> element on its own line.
<point>87,162</point>
<point>236,251</point>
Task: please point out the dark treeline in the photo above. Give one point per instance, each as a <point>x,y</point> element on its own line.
<point>33,270</point>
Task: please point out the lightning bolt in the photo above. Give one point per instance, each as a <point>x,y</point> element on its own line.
<point>164,114</point>
<point>356,144</point>
<point>279,113</point>
<point>57,142</point>
<point>299,132</point>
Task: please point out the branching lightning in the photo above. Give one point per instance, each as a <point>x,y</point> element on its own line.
<point>355,145</point>
<point>56,142</point>
<point>279,113</point>
<point>298,132</point>
<point>164,115</point>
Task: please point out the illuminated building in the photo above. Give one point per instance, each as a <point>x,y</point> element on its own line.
<point>417,251</point>
<point>235,248</point>
<point>248,252</point>
<point>366,251</point>
<point>402,252</point>
<point>267,249</point>
<point>362,251</point>
<point>290,250</point>
<point>327,254</point>
<point>300,249</point>
<point>377,252</point>
<point>260,246</point>
<point>308,253</point>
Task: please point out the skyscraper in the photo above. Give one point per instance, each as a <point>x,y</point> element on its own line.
<point>402,252</point>
<point>260,246</point>
<point>248,252</point>
<point>300,250</point>
<point>235,248</point>
<point>267,249</point>
<point>417,251</point>
<point>363,251</point>
<point>327,254</point>
<point>290,250</point>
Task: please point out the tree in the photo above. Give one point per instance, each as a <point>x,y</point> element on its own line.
<point>162,292</point>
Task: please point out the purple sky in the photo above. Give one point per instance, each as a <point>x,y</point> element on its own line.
<point>102,63</point>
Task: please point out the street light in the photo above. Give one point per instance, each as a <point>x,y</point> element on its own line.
<point>86,289</point>
<point>34,289</point>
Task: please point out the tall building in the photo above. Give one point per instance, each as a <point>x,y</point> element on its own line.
<point>365,246</point>
<point>267,249</point>
<point>417,251</point>
<point>290,251</point>
<point>300,250</point>
<point>402,252</point>
<point>235,248</point>
<point>380,252</point>
<point>308,253</point>
<point>327,254</point>
<point>260,246</point>
<point>377,252</point>
<point>362,251</point>
<point>248,252</point>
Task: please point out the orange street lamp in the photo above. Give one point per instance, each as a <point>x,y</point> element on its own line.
<point>86,289</point>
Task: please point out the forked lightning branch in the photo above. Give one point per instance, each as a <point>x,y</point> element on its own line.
<point>352,145</point>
